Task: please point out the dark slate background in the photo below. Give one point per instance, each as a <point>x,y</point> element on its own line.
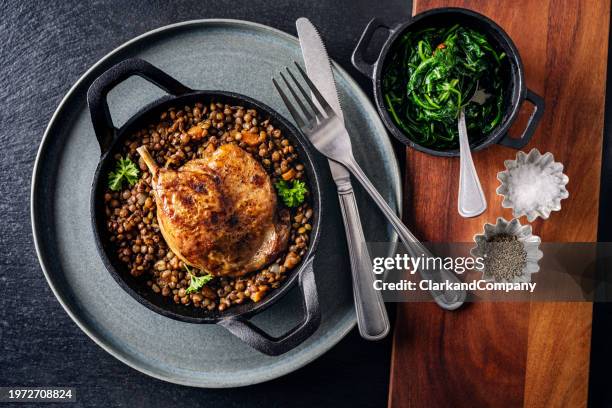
<point>44,48</point>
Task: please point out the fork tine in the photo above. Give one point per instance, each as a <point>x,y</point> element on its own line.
<point>308,98</point>
<point>309,118</point>
<point>292,111</point>
<point>315,91</point>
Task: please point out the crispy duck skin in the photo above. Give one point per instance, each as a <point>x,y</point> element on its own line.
<point>219,213</point>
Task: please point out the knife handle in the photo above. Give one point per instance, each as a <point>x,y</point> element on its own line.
<point>372,318</point>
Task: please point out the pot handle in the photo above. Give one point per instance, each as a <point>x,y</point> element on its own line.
<point>99,89</point>
<point>357,58</point>
<point>532,124</point>
<point>274,346</point>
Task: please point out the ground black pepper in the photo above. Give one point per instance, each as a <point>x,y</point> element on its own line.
<point>505,257</point>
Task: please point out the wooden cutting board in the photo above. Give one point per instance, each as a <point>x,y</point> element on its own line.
<point>512,354</point>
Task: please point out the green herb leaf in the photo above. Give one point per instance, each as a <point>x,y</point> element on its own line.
<point>292,195</point>
<point>197,282</point>
<point>125,169</point>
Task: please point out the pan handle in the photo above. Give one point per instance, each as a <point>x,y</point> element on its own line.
<point>99,89</point>
<point>274,346</point>
<point>532,124</point>
<point>357,58</point>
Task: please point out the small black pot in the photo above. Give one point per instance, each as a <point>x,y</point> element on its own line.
<point>235,319</point>
<point>516,93</point>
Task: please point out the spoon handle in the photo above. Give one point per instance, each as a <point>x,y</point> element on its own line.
<point>472,201</point>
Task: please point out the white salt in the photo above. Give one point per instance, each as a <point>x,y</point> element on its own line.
<point>531,187</point>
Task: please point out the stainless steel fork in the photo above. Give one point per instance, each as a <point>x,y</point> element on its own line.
<point>328,134</point>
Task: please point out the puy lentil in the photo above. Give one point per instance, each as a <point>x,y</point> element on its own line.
<point>179,136</point>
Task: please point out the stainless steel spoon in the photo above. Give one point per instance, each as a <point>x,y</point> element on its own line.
<point>472,201</point>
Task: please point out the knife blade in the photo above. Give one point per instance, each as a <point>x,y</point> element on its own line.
<point>320,72</point>
<point>372,318</point>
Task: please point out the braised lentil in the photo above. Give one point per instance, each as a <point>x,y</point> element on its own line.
<point>180,135</point>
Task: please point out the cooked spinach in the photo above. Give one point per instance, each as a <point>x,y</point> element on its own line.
<point>432,73</point>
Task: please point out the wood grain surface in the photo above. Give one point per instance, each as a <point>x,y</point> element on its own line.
<point>512,354</point>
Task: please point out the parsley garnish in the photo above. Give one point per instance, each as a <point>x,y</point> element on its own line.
<point>197,282</point>
<point>292,195</point>
<point>124,169</point>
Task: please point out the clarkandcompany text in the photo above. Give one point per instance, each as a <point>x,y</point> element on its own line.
<point>425,284</point>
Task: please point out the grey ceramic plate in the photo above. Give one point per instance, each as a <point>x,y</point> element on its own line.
<point>205,54</point>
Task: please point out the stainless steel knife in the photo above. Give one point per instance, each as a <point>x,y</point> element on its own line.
<point>372,318</point>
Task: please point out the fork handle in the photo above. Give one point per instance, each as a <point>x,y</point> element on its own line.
<point>372,319</point>
<point>446,299</point>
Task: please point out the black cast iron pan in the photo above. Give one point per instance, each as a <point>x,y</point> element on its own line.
<point>516,90</point>
<point>236,318</point>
